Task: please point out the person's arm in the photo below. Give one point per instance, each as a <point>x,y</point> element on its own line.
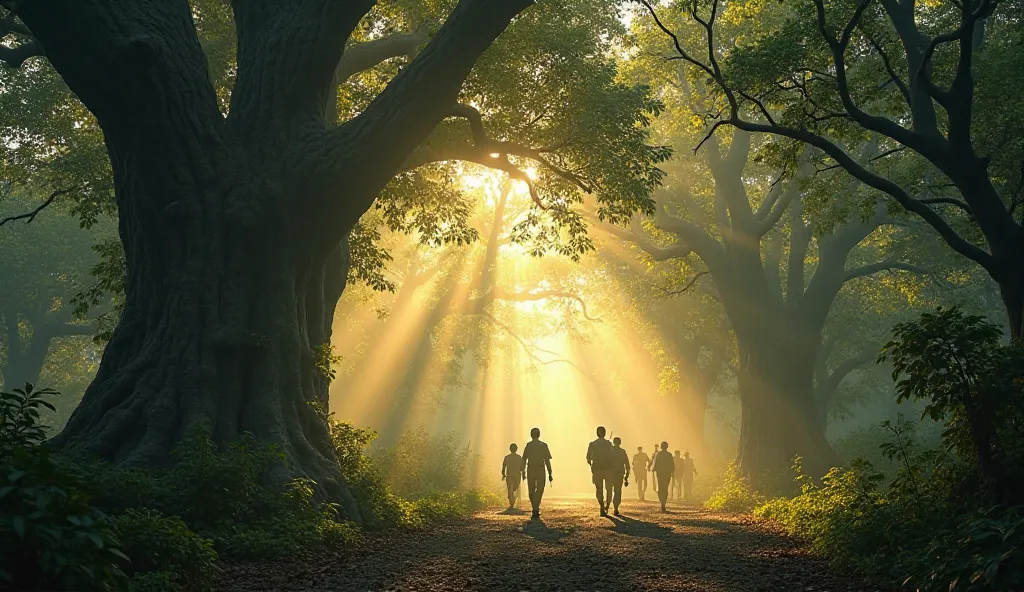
<point>504,467</point>
<point>694,469</point>
<point>590,454</point>
<point>547,462</point>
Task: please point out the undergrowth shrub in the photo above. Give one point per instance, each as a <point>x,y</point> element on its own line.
<point>50,535</point>
<point>164,553</point>
<point>440,507</point>
<point>379,505</point>
<point>419,463</point>
<point>224,495</point>
<point>734,494</point>
<point>420,481</point>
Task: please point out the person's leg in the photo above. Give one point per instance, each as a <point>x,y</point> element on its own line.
<point>540,492</point>
<point>663,481</point>
<point>609,490</point>
<point>510,490</point>
<point>641,486</point>
<point>598,488</point>
<point>687,487</point>
<point>617,492</point>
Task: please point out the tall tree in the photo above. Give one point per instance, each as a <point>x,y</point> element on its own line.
<point>235,222</point>
<point>920,75</point>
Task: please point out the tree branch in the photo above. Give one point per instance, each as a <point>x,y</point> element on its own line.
<point>685,288</point>
<point>952,201</point>
<point>30,216</point>
<point>501,294</point>
<point>380,139</point>
<point>532,350</point>
<point>360,57</point>
<point>868,270</point>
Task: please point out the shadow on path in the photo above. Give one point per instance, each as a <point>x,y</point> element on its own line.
<point>638,528</point>
<point>536,529</point>
<point>512,512</point>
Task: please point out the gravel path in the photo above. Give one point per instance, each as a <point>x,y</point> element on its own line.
<point>570,549</point>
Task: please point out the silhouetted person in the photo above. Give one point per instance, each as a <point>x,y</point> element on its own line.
<point>688,471</point>
<point>512,474</point>
<point>641,462</point>
<point>677,478</point>
<point>650,467</point>
<point>619,472</point>
<point>599,456</point>
<point>536,458</point>
<point>664,467</point>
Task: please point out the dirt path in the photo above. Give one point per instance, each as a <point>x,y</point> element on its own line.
<point>572,548</point>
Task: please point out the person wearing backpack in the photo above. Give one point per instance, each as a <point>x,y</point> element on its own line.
<point>599,456</point>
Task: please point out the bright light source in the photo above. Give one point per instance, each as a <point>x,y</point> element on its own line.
<point>495,155</point>
<point>531,173</point>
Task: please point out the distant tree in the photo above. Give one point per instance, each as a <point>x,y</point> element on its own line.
<point>240,168</point>
<point>939,82</point>
<point>44,266</point>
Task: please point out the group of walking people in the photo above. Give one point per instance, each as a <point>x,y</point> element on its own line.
<point>673,475</point>
<point>609,467</point>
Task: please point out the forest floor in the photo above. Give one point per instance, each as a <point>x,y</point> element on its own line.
<point>571,548</point>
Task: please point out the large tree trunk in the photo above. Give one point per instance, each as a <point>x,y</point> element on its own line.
<point>779,418</point>
<point>222,322</point>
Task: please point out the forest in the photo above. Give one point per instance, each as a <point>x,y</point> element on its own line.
<point>282,280</point>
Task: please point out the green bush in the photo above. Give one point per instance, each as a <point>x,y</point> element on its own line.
<point>295,524</point>
<point>379,505</point>
<point>225,496</point>
<point>735,494</point>
<point>50,536</point>
<point>440,507</point>
<point>413,474</point>
<point>163,550</point>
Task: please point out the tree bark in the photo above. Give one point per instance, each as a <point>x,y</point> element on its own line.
<point>779,419</point>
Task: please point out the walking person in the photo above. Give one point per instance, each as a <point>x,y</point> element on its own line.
<point>650,467</point>
<point>664,467</point>
<point>512,474</point>
<point>689,471</point>
<point>641,462</point>
<point>536,459</point>
<point>619,473</point>
<point>677,478</point>
<point>599,457</point>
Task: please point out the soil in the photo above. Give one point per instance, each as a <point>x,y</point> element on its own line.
<point>571,548</point>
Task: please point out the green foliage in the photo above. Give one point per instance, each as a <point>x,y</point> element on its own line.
<point>435,482</point>
<point>931,524</point>
<point>223,495</point>
<point>956,364</point>
<point>735,494</point>
<point>50,536</point>
<point>164,553</point>
<point>413,473</point>
<point>439,507</point>
<point>380,507</point>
